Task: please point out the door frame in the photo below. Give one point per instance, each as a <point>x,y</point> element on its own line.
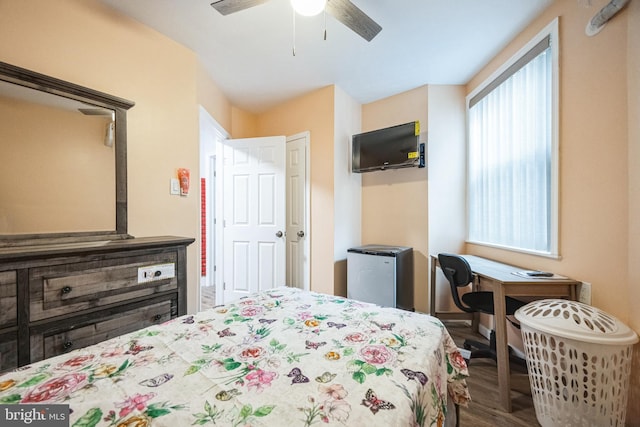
<point>218,225</point>
<point>306,135</point>
<point>214,230</point>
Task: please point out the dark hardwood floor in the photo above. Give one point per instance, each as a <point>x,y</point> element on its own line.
<point>484,409</point>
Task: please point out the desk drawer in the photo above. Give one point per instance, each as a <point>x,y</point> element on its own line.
<point>71,288</point>
<point>8,299</point>
<point>52,343</point>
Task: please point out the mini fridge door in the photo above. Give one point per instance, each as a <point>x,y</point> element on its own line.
<point>371,278</point>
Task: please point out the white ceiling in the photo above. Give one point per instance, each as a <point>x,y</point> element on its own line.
<point>249,54</point>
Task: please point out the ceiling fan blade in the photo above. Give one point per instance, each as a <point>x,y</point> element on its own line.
<point>226,7</point>
<point>354,18</point>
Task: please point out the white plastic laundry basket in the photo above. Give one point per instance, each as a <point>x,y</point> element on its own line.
<point>579,361</point>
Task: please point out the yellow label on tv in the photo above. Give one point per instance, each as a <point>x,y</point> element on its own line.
<point>412,155</point>
<point>417,128</point>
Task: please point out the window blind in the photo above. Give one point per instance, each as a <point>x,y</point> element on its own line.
<point>510,149</point>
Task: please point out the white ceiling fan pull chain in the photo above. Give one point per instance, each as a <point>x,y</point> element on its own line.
<point>293,42</point>
<point>325,25</point>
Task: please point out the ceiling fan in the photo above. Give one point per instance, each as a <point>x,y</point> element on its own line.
<point>343,10</point>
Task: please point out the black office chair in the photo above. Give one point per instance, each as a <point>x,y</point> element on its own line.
<point>458,272</point>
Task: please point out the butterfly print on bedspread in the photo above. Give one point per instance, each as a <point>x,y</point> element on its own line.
<point>267,321</point>
<point>225,395</point>
<point>372,402</point>
<point>188,320</point>
<point>297,377</point>
<point>314,345</point>
<point>157,381</point>
<point>384,326</point>
<point>325,377</point>
<point>336,325</point>
<point>414,375</point>
<point>226,332</point>
<point>134,348</point>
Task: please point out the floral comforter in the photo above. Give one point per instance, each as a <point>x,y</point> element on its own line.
<point>279,358</point>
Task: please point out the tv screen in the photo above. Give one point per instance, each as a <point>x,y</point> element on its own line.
<point>389,148</point>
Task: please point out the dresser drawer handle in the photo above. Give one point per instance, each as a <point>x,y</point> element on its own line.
<point>67,345</point>
<point>157,317</point>
<point>66,290</point>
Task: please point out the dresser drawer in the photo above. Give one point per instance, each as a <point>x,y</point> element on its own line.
<point>84,333</point>
<point>70,288</point>
<point>8,299</point>
<point>8,351</point>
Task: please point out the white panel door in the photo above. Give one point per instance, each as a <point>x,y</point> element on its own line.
<point>297,230</point>
<point>254,215</point>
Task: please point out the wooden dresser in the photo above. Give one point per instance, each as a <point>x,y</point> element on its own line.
<point>58,297</point>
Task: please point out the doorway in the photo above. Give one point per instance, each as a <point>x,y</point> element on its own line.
<point>297,198</point>
<point>210,134</point>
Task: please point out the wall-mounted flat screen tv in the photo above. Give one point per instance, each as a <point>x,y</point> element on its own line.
<point>390,148</point>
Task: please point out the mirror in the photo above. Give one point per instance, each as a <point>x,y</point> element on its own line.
<point>64,160</point>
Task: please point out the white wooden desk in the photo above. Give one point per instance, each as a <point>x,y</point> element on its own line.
<point>499,278</point>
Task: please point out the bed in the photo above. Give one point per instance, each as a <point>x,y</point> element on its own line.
<point>279,357</point>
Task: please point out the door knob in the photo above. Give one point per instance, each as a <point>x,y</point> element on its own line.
<point>300,233</point>
<point>279,234</point>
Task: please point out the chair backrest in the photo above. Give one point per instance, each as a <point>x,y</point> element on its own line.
<point>458,272</point>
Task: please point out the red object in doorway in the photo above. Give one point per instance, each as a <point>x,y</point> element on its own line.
<point>203,227</point>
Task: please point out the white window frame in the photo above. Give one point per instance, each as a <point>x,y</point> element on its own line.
<point>552,31</point>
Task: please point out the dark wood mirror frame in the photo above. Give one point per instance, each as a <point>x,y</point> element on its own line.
<point>30,79</point>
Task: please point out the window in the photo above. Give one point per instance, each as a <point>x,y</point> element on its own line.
<point>513,152</point>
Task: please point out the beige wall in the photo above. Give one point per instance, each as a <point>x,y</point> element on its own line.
<point>394,202</point>
<point>211,98</point>
<point>599,195</point>
<point>86,43</point>
<point>313,112</point>
<point>243,124</point>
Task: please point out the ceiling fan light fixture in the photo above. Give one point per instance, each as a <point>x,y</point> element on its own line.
<point>308,7</point>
